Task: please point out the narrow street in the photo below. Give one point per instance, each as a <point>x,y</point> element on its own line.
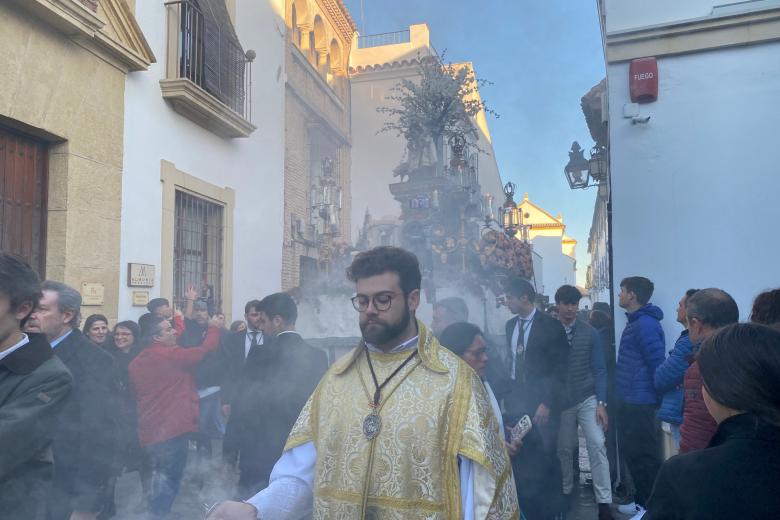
<point>203,487</point>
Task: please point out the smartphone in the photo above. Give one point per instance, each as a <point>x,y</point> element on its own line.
<point>520,429</point>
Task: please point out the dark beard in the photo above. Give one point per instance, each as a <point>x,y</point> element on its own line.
<point>382,333</point>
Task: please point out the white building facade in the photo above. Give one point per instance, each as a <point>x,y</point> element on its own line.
<point>694,188</point>
<point>553,249</point>
<point>202,197</point>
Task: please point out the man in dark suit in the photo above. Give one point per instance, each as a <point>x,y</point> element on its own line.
<point>235,349</point>
<point>34,387</point>
<point>85,435</point>
<point>531,380</point>
<point>233,352</point>
<point>277,379</point>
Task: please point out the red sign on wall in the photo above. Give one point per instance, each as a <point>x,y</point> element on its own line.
<point>643,80</point>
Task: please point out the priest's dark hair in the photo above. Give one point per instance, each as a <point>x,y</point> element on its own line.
<point>740,365</point>
<point>387,259</point>
<point>19,283</point>
<point>459,336</point>
<point>280,304</point>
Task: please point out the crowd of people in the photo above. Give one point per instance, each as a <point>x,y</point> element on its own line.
<point>390,429</point>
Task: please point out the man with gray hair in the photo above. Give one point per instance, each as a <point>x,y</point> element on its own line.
<point>85,433</point>
<point>446,312</point>
<point>707,311</point>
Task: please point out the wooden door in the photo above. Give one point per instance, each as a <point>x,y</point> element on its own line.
<point>23,194</point>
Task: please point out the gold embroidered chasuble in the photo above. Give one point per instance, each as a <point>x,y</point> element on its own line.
<point>432,411</point>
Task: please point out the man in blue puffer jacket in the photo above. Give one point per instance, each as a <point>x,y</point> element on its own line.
<point>669,375</point>
<point>642,349</point>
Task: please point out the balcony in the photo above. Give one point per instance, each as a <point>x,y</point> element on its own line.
<point>209,76</point>
<point>377,40</point>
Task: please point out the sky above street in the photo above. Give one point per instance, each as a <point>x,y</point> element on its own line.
<point>541,57</point>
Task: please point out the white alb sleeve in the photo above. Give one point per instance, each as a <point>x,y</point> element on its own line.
<point>466,487</point>
<point>289,494</point>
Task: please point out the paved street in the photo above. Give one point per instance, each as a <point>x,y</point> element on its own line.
<point>211,483</point>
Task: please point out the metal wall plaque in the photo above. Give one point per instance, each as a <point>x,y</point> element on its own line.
<point>140,275</point>
<point>92,293</point>
<point>140,298</point>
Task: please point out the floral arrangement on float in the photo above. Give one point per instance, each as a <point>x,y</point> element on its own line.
<point>503,256</point>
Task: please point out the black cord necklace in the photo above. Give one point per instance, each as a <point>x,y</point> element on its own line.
<point>373,423</point>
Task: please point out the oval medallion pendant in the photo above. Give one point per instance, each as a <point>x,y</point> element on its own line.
<point>371,425</point>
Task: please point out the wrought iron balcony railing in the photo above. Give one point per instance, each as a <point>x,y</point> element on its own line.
<point>208,54</point>
<point>391,38</point>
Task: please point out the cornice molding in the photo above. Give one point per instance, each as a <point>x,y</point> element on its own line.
<point>194,103</point>
<point>376,67</point>
<point>697,35</point>
<point>91,32</point>
<point>343,21</point>
<point>123,22</point>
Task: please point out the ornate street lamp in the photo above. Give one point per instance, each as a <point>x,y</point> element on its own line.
<point>326,201</point>
<point>510,215</point>
<point>583,173</point>
<point>597,165</point>
<point>578,169</point>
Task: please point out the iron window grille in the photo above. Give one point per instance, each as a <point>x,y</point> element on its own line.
<point>197,250</point>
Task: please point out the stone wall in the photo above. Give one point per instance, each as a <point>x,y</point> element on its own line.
<point>58,91</point>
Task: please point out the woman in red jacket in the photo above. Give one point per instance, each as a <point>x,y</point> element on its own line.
<point>167,401</point>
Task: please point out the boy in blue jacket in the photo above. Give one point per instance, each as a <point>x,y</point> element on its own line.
<point>642,349</point>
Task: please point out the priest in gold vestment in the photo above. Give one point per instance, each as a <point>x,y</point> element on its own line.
<point>400,428</point>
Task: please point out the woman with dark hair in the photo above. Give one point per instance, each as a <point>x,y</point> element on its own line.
<point>467,341</point>
<point>124,347</point>
<point>738,474</point>
<point>96,329</point>
<point>766,308</point>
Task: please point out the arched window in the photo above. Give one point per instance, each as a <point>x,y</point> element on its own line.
<point>312,48</point>
<point>334,65</point>
<point>335,55</point>
<point>295,34</point>
<point>319,43</point>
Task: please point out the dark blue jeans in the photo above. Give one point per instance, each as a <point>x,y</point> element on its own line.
<point>168,460</point>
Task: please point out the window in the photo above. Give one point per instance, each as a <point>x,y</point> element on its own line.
<point>198,238</point>
<point>208,72</point>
